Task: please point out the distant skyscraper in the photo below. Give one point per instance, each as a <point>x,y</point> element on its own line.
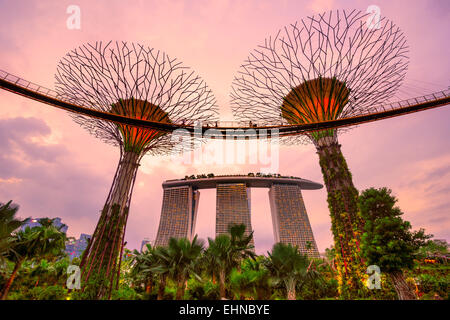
<point>35,223</point>
<point>232,207</point>
<point>290,220</point>
<point>75,248</point>
<point>144,242</point>
<point>178,214</point>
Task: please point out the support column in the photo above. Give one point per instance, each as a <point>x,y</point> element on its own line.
<point>290,220</point>
<point>233,207</point>
<point>178,214</point>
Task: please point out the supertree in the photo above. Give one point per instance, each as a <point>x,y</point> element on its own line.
<point>329,66</point>
<point>136,81</point>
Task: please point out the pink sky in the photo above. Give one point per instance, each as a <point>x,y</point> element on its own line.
<point>52,167</point>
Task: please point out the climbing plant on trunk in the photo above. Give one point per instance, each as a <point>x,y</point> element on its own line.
<point>323,68</point>
<point>138,82</point>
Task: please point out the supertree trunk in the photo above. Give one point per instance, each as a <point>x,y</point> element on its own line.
<point>100,264</point>
<point>404,292</point>
<point>325,67</point>
<point>346,221</point>
<point>138,82</point>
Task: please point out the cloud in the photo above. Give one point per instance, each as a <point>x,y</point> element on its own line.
<point>423,193</point>
<point>45,179</point>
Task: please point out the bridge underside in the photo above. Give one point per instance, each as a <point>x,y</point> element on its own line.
<point>33,91</point>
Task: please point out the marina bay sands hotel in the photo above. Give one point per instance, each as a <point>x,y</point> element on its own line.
<point>289,218</point>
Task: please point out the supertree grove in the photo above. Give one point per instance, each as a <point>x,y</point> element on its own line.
<point>326,67</point>
<point>132,80</point>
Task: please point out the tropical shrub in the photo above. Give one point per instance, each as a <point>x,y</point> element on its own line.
<point>125,293</point>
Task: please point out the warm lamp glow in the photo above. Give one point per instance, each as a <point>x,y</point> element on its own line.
<point>135,139</point>
<point>315,100</point>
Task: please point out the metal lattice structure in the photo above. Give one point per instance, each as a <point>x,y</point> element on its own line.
<point>370,63</point>
<point>332,66</point>
<point>23,87</point>
<point>140,83</point>
<point>98,76</point>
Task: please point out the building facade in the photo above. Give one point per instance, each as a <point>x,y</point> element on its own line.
<point>289,216</point>
<point>232,207</point>
<point>178,214</point>
<point>144,244</point>
<point>75,248</point>
<point>35,223</point>
<point>290,220</point>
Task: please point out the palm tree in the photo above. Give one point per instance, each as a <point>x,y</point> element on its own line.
<point>252,281</point>
<point>42,269</point>
<point>242,283</point>
<point>142,265</point>
<point>8,224</point>
<point>261,276</point>
<point>226,252</point>
<point>240,242</point>
<point>162,267</point>
<point>44,241</point>
<point>287,266</point>
<point>179,261</point>
<point>222,258</point>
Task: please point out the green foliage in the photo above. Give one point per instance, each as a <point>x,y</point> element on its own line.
<point>288,266</point>
<point>56,292</point>
<point>96,283</point>
<point>8,224</point>
<point>178,261</point>
<point>202,290</point>
<point>102,259</point>
<point>42,242</point>
<point>250,283</point>
<point>124,293</point>
<point>330,254</point>
<point>240,242</point>
<point>141,273</point>
<point>228,268</point>
<point>346,221</point>
<point>319,288</point>
<point>434,284</point>
<point>226,252</point>
<point>436,249</point>
<point>387,240</point>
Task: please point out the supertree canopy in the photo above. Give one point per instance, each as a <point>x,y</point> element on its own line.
<point>329,66</point>
<point>135,81</point>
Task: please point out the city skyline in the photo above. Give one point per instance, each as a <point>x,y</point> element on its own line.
<point>393,153</point>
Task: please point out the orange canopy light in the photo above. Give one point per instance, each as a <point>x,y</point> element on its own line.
<point>137,138</point>
<point>315,100</point>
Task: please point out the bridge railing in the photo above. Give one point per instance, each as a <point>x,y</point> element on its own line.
<point>417,100</point>
<point>27,84</point>
<point>232,123</point>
